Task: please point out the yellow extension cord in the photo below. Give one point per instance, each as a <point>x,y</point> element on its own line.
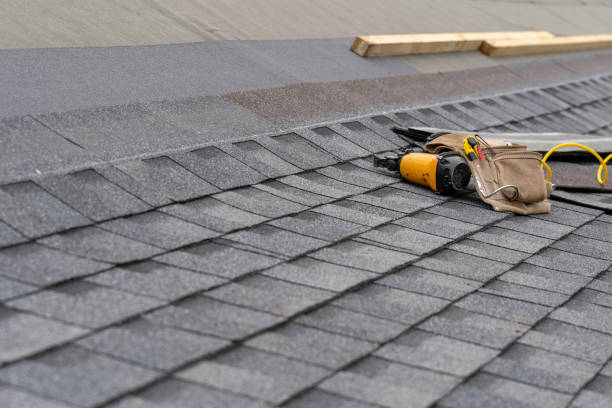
<point>602,165</point>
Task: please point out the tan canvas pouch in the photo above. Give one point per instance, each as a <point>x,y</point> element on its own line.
<point>503,164</point>
<point>521,169</point>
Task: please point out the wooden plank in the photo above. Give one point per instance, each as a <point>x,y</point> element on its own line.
<point>496,48</point>
<point>403,44</point>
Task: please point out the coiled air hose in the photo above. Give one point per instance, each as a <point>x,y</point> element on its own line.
<point>602,162</point>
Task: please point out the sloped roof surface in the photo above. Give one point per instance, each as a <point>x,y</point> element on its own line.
<point>59,23</point>
<point>282,269</point>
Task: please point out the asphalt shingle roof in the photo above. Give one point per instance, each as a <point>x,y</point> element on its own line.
<point>283,269</point>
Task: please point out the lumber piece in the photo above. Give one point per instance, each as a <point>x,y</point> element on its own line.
<point>403,44</point>
<point>495,48</point>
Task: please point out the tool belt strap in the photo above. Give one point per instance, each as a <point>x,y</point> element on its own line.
<point>503,164</point>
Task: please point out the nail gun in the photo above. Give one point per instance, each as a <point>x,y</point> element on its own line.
<point>445,173</point>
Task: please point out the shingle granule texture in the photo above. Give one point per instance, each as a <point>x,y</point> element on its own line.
<point>214,251</point>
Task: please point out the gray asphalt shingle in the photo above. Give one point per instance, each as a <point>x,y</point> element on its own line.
<point>211,317</point>
<point>166,176</point>
<point>467,213</point>
<point>542,368</point>
<point>8,236</point>
<point>588,398</point>
<point>117,131</point>
<point>363,136</point>
<point>419,190</point>
<point>360,255</point>
<point>603,282</point>
<point>171,393</point>
<point>600,384</point>
<point>34,148</point>
<point>396,200</point>
<point>517,241</point>
<point>333,143</point>
<point>317,398</point>
<point>298,151</point>
<point>438,353</point>
<point>154,346</point>
<point>34,212</point>
<point>212,117</point>
<point>405,239</point>
<point>520,292</point>
<point>156,280</point>
<point>431,283</point>
<point>579,208</point>
<point>23,334</point>
<point>535,226</point>
<point>390,384</point>
<point>214,166</point>
<point>319,184</point>
<point>319,274</point>
<point>77,376</point>
<point>255,373</point>
<point>10,289</point>
<point>584,344</point>
<point>584,246</point>
<point>259,158</point>
<point>495,108</point>
<point>474,327</point>
<point>276,240</point>
<point>565,216</point>
<point>217,259</point>
<point>213,214</point>
<point>40,265</point>
<point>349,323</point>
<point>485,390</point>
<point>432,118</point>
<point>566,262</point>
<point>85,303</point>
<point>434,224</point>
<point>350,173</point>
<point>319,225</point>
<point>392,304</point>
<point>488,251</point>
<point>585,314</point>
<point>595,297</point>
<point>138,189</point>
<point>543,278</point>
<point>259,202</point>
<point>14,397</point>
<point>292,193</point>
<point>100,245</point>
<point>151,287</point>
<point>381,125</point>
<point>461,117</point>
<point>463,265</point>
<point>503,308</point>
<point>596,230</point>
<point>159,229</point>
<point>270,295</point>
<point>92,195</point>
<point>359,213</point>
<point>474,110</point>
<point>312,345</point>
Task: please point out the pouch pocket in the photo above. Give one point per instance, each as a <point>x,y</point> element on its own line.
<point>522,169</point>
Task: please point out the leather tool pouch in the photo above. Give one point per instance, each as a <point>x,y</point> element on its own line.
<point>521,169</point>
<point>503,165</point>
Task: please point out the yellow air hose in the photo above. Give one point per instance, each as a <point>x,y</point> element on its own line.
<point>602,165</point>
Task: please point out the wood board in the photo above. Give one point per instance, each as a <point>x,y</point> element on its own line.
<point>503,47</point>
<point>404,44</point>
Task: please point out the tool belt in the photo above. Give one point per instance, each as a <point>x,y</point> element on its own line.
<point>506,175</point>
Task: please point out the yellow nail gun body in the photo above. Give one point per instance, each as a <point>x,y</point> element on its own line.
<point>443,173</point>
